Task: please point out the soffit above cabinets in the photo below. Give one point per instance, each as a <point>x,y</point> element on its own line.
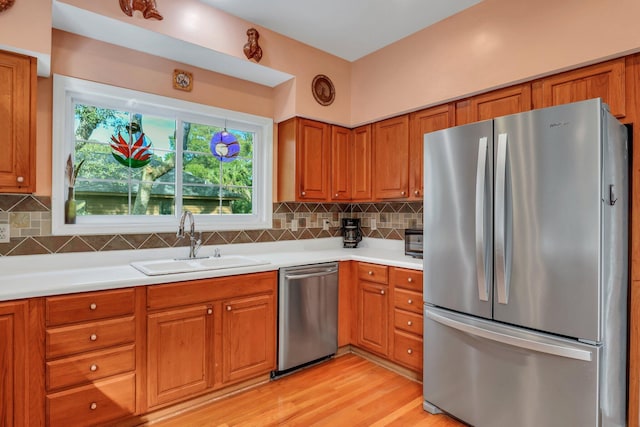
<point>95,26</point>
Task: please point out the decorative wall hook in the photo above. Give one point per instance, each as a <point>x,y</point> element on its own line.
<point>251,49</point>
<point>6,4</point>
<point>147,7</point>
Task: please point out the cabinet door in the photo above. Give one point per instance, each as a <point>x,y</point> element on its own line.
<point>313,160</point>
<point>422,122</point>
<point>341,161</point>
<point>14,386</point>
<point>497,103</point>
<point>606,81</point>
<point>373,317</point>
<point>248,337</point>
<point>17,123</point>
<point>391,158</point>
<point>180,353</point>
<point>362,155</point>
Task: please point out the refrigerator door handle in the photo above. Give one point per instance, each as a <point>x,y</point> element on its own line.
<point>502,267</point>
<point>481,200</point>
<point>540,347</point>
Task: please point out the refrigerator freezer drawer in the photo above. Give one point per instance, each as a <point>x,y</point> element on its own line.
<point>492,375</point>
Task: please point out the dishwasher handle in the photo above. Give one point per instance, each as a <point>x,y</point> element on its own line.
<point>315,273</point>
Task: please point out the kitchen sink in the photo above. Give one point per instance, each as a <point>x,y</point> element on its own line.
<point>181,265</point>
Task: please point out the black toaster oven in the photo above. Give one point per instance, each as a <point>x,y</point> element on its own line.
<point>413,245</point>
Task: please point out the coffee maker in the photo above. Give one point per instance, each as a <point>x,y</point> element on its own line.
<point>351,232</point>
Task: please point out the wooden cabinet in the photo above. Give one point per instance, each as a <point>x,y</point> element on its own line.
<point>422,122</point>
<point>248,337</point>
<point>605,80</point>
<point>407,317</point>
<point>18,87</point>
<point>14,378</point>
<point>391,158</point>
<point>304,159</point>
<point>180,349</point>
<point>342,153</point>
<point>361,165</point>
<point>207,334</point>
<point>90,348</point>
<point>372,323</point>
<point>501,102</point>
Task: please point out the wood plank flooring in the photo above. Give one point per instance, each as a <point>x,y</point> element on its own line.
<point>345,391</point>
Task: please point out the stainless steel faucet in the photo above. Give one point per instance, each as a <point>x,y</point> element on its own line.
<point>194,243</point>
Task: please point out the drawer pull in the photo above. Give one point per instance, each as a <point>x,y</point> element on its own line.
<point>228,308</point>
<point>209,311</point>
<point>93,368</point>
<point>381,291</point>
<point>409,323</point>
<point>409,301</point>
<point>409,351</point>
<point>370,273</point>
<point>410,279</point>
<point>93,306</point>
<point>93,337</point>
<point>93,406</point>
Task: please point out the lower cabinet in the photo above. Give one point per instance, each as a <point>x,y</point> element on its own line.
<point>14,385</point>
<point>372,322</point>
<point>207,334</point>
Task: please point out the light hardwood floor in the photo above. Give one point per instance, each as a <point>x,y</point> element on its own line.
<point>345,391</point>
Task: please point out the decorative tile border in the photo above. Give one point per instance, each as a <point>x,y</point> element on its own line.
<point>30,219</point>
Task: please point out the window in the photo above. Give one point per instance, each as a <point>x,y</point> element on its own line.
<point>138,160</point>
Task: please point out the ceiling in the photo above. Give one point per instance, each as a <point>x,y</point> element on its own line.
<point>349,29</point>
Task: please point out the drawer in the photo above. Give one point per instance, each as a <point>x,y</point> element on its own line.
<point>407,350</point>
<point>89,367</point>
<point>408,279</point>
<point>408,322</point>
<point>89,306</point>
<point>373,272</point>
<point>91,336</point>
<point>408,300</point>
<point>93,404</point>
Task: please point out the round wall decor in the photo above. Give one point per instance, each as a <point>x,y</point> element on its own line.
<point>6,4</point>
<point>323,90</point>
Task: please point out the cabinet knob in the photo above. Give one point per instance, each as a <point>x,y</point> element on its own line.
<point>409,301</point>
<point>370,273</point>
<point>93,337</point>
<point>93,306</point>
<point>20,179</point>
<point>209,311</point>
<point>381,291</point>
<point>409,323</point>
<point>228,308</point>
<point>402,193</point>
<point>416,193</point>
<point>410,279</point>
<point>93,406</point>
<point>409,351</point>
<point>336,196</point>
<point>304,193</point>
<point>93,368</point>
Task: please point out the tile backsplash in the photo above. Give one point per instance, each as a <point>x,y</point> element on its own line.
<point>30,222</point>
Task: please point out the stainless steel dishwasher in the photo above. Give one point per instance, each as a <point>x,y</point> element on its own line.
<point>307,315</point>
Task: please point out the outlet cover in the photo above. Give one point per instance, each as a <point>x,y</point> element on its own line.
<point>374,226</point>
<point>294,225</point>
<point>4,233</point>
<point>325,224</point>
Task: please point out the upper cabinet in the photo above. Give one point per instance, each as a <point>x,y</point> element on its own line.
<point>304,158</point>
<point>361,164</point>
<point>605,80</point>
<point>341,163</point>
<point>18,86</point>
<point>391,158</point>
<point>422,122</point>
<point>497,103</point>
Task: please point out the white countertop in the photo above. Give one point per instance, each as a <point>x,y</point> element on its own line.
<point>41,275</point>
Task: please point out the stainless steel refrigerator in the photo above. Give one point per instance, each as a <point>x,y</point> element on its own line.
<point>526,269</point>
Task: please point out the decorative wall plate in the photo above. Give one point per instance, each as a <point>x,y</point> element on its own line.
<point>182,80</point>
<point>6,4</point>
<point>323,90</point>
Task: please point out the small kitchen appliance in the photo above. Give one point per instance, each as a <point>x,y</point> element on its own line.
<point>413,242</point>
<point>351,232</point>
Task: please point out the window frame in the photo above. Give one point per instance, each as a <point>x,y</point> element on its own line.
<point>67,89</point>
